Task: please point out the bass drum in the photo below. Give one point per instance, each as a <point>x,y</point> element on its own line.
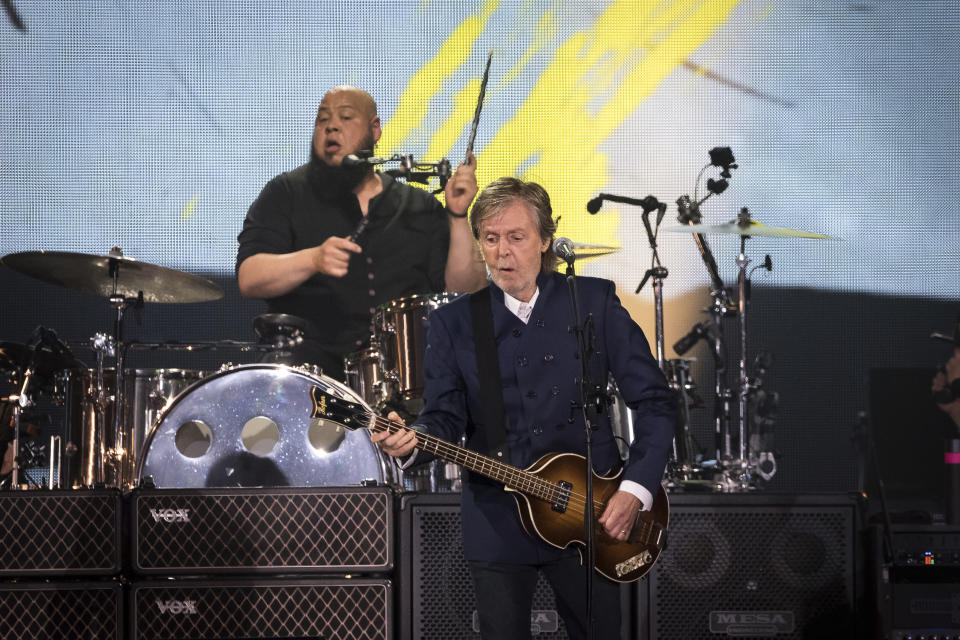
<point>251,426</point>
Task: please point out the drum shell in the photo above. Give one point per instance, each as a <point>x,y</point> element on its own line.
<point>228,400</point>
<point>364,373</point>
<point>88,460</point>
<point>400,328</point>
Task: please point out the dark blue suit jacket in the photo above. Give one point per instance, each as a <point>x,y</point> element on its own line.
<point>539,373</point>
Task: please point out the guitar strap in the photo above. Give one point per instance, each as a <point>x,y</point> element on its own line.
<point>493,439</point>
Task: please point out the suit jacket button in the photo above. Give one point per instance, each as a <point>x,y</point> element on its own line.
<point>555,390</point>
<point>522,361</point>
<point>531,394</point>
<point>517,333</point>
<point>537,430</point>
<point>548,357</point>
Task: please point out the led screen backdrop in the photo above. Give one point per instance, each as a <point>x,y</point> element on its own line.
<point>152,126</point>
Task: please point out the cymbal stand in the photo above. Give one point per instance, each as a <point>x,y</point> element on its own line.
<point>20,402</point>
<point>120,304</point>
<point>92,472</point>
<point>721,307</point>
<point>745,387</point>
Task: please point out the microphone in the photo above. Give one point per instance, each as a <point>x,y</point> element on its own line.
<point>594,205</point>
<point>362,157</point>
<point>564,249</point>
<point>694,336</point>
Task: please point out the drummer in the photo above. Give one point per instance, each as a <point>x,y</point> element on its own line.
<point>329,243</point>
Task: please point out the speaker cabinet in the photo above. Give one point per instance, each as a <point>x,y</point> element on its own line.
<point>59,533</point>
<point>61,611</point>
<point>436,590</point>
<point>345,609</point>
<point>760,565</point>
<point>324,530</point>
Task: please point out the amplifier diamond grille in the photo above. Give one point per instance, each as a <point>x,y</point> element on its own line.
<point>61,611</point>
<point>343,611</point>
<point>56,532</point>
<point>307,530</point>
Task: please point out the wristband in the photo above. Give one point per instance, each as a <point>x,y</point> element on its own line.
<point>456,215</point>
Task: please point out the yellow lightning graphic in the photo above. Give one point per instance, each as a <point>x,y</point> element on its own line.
<point>595,79</point>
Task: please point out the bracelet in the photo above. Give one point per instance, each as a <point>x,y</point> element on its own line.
<point>457,215</point>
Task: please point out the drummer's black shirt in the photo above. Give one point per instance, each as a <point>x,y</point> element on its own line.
<point>405,245</point>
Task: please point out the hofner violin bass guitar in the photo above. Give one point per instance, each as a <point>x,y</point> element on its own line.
<point>549,493</point>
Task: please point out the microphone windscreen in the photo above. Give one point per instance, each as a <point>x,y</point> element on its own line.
<point>594,205</point>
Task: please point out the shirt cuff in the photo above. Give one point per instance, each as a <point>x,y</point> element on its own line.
<point>639,491</point>
<point>404,464</point>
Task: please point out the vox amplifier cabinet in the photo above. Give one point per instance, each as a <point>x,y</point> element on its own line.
<point>60,533</point>
<point>334,608</point>
<point>61,610</point>
<point>317,530</point>
<point>754,565</point>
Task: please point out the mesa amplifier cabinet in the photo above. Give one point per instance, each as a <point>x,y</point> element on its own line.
<point>757,565</point>
<point>61,611</point>
<point>186,609</point>
<point>436,590</point>
<point>286,530</point>
<point>436,600</point>
<point>60,533</point>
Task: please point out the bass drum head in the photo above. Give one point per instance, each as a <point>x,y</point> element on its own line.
<point>251,426</point>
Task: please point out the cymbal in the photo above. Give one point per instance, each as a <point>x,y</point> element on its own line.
<point>582,250</point>
<point>754,228</point>
<point>91,274</point>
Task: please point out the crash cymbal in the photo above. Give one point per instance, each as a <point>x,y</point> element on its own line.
<point>752,228</point>
<point>592,250</point>
<point>92,274</point>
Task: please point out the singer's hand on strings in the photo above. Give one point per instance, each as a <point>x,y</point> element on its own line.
<point>620,514</point>
<point>332,258</point>
<point>462,187</point>
<point>398,443</point>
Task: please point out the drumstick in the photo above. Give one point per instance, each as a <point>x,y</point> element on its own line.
<point>476,114</point>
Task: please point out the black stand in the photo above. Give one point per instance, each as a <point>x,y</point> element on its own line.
<point>591,394</point>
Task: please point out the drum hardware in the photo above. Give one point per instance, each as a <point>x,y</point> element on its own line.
<point>209,345</point>
<point>281,330</point>
<point>55,453</point>
<point>753,457</point>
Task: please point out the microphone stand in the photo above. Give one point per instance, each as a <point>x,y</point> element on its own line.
<point>682,443</point>
<point>590,394</point>
<point>410,169</point>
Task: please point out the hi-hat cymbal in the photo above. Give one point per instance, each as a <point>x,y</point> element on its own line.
<point>753,228</point>
<point>592,250</point>
<point>92,274</point>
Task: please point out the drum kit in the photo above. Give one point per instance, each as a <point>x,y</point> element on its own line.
<point>166,428</point>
